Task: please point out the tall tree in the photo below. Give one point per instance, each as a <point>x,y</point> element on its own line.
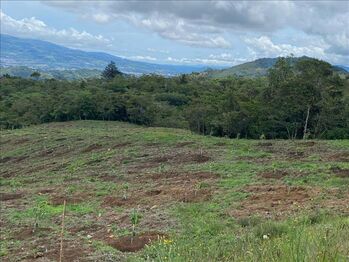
<point>111,71</point>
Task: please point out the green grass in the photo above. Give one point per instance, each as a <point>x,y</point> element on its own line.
<point>92,162</point>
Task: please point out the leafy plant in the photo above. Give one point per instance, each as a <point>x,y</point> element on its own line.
<point>135,218</point>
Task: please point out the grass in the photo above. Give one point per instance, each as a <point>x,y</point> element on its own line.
<point>210,196</point>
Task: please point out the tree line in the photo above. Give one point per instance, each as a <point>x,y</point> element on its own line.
<point>302,100</point>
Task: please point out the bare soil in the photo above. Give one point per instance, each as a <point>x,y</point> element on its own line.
<point>136,243</point>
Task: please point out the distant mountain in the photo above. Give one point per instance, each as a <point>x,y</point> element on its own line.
<point>258,68</point>
<point>38,54</point>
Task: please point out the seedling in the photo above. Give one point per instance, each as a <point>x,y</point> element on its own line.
<point>125,190</point>
<point>135,218</point>
<point>39,213</point>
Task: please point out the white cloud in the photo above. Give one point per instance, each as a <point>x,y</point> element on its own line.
<point>264,47</point>
<point>213,59</point>
<point>139,57</point>
<point>202,23</point>
<point>35,28</point>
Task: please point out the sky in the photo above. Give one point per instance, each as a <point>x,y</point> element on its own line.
<point>216,33</point>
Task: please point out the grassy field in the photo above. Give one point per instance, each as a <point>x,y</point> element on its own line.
<point>195,198</point>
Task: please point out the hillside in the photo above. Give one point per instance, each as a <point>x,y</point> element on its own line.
<point>44,55</point>
<point>74,74</point>
<point>258,68</point>
<point>196,198</point>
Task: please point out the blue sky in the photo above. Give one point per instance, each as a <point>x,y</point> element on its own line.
<point>187,32</point>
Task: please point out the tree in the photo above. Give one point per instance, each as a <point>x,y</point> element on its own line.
<point>111,71</point>
<point>35,75</point>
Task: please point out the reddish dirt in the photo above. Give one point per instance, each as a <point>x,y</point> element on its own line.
<point>136,243</point>
<point>279,201</point>
<point>273,201</point>
<point>166,188</point>
<point>340,172</point>
<point>12,159</point>
<point>274,174</point>
<point>75,199</point>
<point>28,232</point>
<point>307,143</point>
<point>91,148</point>
<point>10,196</point>
<point>121,145</point>
<point>341,157</point>
<point>183,144</point>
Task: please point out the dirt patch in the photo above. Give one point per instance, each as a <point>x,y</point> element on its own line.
<point>307,143</point>
<point>28,232</point>
<point>182,158</point>
<point>136,243</point>
<point>265,144</point>
<point>12,159</point>
<point>21,141</point>
<point>183,144</point>
<point>280,201</point>
<point>59,199</point>
<point>340,172</point>
<point>121,145</point>
<point>274,174</point>
<point>166,188</point>
<point>273,201</point>
<point>10,196</point>
<point>341,157</point>
<point>45,191</point>
<point>91,148</point>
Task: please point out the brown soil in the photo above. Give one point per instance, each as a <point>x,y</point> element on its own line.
<point>10,196</point>
<point>59,199</point>
<point>91,148</point>
<point>136,243</point>
<point>28,232</point>
<point>13,159</point>
<point>183,144</point>
<point>166,188</point>
<point>273,201</point>
<point>121,145</point>
<point>182,158</point>
<point>275,174</point>
<point>265,144</point>
<point>279,201</point>
<point>341,156</point>
<point>307,143</point>
<point>340,172</point>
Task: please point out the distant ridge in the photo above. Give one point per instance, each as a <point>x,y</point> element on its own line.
<point>43,55</point>
<point>258,68</point>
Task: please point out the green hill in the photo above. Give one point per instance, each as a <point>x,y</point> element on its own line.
<point>256,68</point>
<point>195,198</point>
<point>76,74</point>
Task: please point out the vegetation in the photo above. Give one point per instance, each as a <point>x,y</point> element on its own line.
<point>297,100</point>
<point>214,199</point>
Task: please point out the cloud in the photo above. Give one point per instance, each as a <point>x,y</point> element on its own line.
<point>203,23</point>
<point>35,28</point>
<point>213,59</point>
<point>264,47</point>
<point>139,57</point>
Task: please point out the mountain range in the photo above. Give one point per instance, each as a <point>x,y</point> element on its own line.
<point>21,57</point>
<point>45,56</point>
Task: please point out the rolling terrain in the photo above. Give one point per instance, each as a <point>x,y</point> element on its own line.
<point>46,56</point>
<point>197,198</point>
<point>259,68</point>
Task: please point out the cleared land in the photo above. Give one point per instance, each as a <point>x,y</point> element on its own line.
<point>199,198</point>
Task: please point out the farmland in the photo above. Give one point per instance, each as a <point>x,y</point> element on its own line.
<point>197,198</point>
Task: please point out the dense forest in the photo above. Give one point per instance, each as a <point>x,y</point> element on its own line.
<point>302,100</point>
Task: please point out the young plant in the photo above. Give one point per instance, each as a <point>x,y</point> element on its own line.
<point>125,188</point>
<point>39,213</point>
<point>135,218</point>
